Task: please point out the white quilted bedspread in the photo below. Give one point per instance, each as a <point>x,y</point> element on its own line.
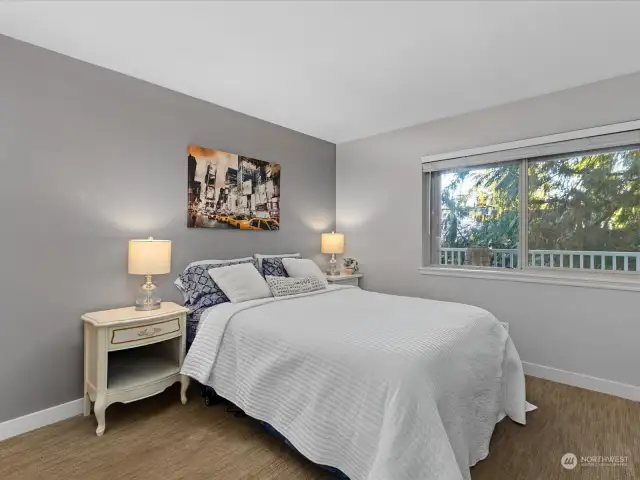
<point>382,387</point>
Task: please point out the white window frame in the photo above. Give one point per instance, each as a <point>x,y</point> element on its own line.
<point>499,153</point>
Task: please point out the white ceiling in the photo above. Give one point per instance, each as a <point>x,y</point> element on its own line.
<point>341,71</point>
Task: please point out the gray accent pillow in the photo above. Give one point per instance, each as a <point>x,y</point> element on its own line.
<point>283,286</point>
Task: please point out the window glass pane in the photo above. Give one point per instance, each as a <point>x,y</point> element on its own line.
<point>584,212</point>
<point>475,215</point>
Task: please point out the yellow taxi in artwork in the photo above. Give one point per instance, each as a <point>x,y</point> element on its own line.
<point>260,224</point>
<point>236,220</point>
<point>242,224</point>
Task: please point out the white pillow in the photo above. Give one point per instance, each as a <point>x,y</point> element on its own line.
<point>303,267</point>
<point>282,286</point>
<point>259,257</point>
<point>178,282</point>
<point>240,282</point>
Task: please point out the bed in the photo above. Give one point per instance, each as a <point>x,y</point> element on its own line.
<point>378,386</point>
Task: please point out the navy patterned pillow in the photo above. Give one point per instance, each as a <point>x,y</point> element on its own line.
<point>196,311</point>
<point>199,288</point>
<point>273,267</point>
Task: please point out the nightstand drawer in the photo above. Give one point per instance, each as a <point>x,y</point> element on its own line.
<point>126,337</point>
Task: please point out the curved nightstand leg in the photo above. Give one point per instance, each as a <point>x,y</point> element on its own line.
<point>184,384</point>
<point>99,411</point>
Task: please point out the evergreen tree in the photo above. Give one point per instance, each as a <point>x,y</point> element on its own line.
<point>582,203</point>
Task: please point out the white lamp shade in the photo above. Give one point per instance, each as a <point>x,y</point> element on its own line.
<point>332,243</point>
<point>149,257</point>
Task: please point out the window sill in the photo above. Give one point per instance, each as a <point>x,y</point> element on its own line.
<point>609,281</point>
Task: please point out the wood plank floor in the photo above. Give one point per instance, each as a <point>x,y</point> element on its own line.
<point>159,438</point>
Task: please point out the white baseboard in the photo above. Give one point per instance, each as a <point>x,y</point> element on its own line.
<point>20,425</point>
<point>623,390</point>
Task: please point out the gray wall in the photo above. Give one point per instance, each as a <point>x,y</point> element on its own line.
<point>90,158</point>
<point>582,330</point>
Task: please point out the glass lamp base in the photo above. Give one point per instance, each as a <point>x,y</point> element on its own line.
<point>333,266</point>
<point>146,300</point>
<point>148,306</point>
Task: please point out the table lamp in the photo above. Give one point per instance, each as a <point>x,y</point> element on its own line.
<point>332,243</point>
<point>149,257</point>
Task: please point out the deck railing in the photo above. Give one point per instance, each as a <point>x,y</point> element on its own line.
<point>586,260</point>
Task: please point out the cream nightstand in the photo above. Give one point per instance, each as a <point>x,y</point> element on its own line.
<point>130,355</point>
<point>353,279</point>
